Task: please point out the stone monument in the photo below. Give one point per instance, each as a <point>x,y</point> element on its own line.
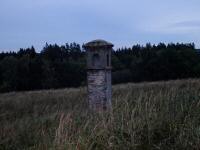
<point>99,74</point>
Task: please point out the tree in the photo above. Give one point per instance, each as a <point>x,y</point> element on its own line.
<point>9,74</point>
<point>65,66</point>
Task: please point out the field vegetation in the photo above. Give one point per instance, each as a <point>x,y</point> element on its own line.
<point>145,116</point>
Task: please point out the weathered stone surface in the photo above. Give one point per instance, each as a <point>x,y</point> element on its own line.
<point>99,89</point>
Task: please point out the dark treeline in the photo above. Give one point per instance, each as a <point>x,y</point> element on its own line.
<point>65,66</point>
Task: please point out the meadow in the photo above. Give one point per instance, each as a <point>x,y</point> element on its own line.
<point>145,116</point>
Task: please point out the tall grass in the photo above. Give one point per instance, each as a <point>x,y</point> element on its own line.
<point>162,115</point>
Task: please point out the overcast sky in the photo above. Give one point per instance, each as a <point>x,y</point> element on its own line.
<point>123,22</point>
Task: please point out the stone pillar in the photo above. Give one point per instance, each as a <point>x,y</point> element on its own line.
<point>99,74</point>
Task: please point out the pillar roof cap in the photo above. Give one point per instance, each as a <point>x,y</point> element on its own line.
<point>98,43</point>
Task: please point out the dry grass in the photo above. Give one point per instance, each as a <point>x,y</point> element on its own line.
<point>162,115</point>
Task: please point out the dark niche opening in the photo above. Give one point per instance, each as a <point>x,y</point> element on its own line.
<point>108,60</point>
<point>96,60</point>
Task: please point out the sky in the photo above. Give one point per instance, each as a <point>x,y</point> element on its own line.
<point>24,23</point>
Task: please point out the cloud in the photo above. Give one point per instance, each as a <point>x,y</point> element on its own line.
<point>187,24</point>
<point>179,24</point>
<point>123,22</point>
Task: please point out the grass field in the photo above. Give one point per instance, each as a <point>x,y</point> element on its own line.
<point>145,116</point>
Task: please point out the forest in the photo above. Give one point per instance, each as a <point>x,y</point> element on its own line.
<point>65,66</point>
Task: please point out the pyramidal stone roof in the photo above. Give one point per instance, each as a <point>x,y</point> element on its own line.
<point>98,43</point>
